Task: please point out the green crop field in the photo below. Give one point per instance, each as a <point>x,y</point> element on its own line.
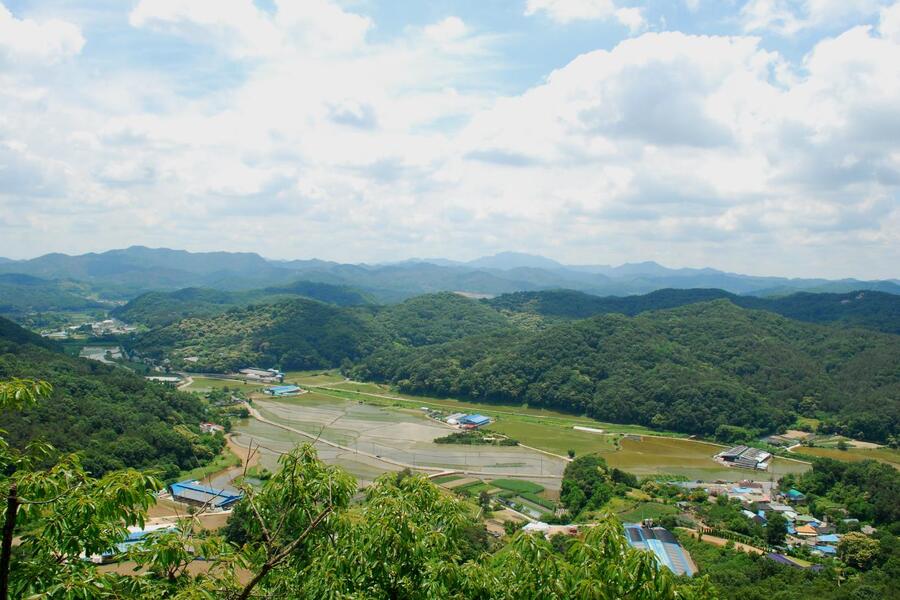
<point>646,510</point>
<point>885,455</point>
<point>517,485</point>
<point>474,488</point>
<point>313,377</point>
<point>553,436</point>
<point>205,384</point>
<point>535,499</point>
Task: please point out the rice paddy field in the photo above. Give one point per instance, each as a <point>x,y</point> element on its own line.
<point>398,430</point>
<point>402,435</point>
<point>885,455</point>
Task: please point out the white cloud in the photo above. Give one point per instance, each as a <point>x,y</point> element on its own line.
<point>632,18</point>
<point>450,28</point>
<point>45,41</point>
<point>890,22</point>
<point>375,147</point>
<point>567,11</point>
<point>787,17</point>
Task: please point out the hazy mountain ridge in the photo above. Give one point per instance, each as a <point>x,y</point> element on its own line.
<point>128,272</point>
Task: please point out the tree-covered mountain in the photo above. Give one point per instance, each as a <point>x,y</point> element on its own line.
<point>861,308</point>
<point>156,309</point>
<point>24,294</point>
<point>114,418</point>
<point>438,318</point>
<point>690,369</point>
<point>293,334</point>
<point>306,334</point>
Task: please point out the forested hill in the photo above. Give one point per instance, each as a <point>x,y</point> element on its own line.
<point>305,334</point>
<point>156,309</point>
<point>873,310</point>
<point>438,318</point>
<point>690,369</point>
<point>293,334</point>
<point>22,294</point>
<point>114,418</point>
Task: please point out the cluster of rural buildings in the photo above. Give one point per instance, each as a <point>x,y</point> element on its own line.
<point>760,502</point>
<point>97,328</point>
<point>262,375</point>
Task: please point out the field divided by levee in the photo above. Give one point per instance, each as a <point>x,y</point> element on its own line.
<point>383,437</point>
<point>373,419</point>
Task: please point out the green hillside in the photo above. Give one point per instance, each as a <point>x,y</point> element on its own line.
<point>156,309</point>
<point>113,418</point>
<point>23,294</point>
<point>305,334</point>
<point>690,369</point>
<point>879,311</point>
<point>293,334</point>
<point>438,318</point>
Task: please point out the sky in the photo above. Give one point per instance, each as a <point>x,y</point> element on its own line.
<point>754,136</point>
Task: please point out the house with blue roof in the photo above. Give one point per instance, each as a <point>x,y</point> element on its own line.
<point>831,538</point>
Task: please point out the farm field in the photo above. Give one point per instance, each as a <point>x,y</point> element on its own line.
<point>365,391</point>
<point>552,431</point>
<point>885,455</point>
<point>399,431</point>
<point>313,377</point>
<point>206,384</point>
<point>689,458</point>
<point>553,437</point>
<point>403,435</point>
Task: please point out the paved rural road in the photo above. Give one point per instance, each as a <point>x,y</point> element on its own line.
<point>256,415</point>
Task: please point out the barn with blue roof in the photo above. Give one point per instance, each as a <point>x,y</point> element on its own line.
<point>476,420</point>
<point>283,390</point>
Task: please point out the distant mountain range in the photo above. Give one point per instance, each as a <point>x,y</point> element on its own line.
<point>126,273</point>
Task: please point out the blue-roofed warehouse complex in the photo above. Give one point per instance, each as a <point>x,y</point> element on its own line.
<point>193,492</point>
<point>283,390</point>
<point>663,545</point>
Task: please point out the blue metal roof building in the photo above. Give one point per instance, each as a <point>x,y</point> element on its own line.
<point>663,545</point>
<point>193,492</point>
<point>477,420</point>
<point>282,390</point>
